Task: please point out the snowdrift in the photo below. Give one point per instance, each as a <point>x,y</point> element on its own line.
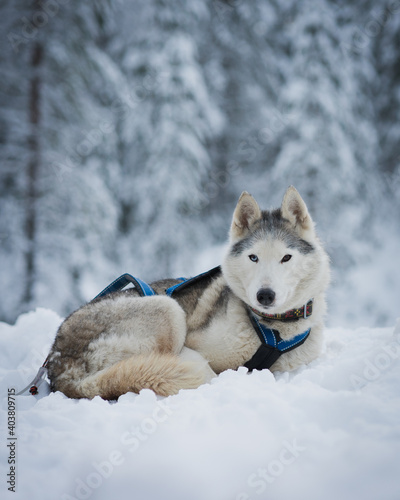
<point>328,430</point>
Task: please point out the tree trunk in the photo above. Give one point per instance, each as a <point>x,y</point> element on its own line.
<point>32,170</point>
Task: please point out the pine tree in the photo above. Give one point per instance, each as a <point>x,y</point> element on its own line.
<point>240,59</point>
<point>128,130</point>
<point>21,60</point>
<point>62,178</point>
<point>386,49</point>
<point>327,148</point>
<point>168,123</point>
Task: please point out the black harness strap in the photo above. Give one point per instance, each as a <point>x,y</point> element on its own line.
<point>272,346</point>
<point>264,357</point>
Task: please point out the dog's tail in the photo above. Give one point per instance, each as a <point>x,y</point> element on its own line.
<point>164,373</point>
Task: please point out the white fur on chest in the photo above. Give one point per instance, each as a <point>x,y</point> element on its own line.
<point>228,341</point>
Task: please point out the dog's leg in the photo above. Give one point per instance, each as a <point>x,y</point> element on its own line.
<point>164,373</point>
<point>199,362</point>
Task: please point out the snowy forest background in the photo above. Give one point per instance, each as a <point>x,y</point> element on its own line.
<point>128,130</point>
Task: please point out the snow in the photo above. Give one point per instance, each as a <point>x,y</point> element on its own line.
<point>327,430</point>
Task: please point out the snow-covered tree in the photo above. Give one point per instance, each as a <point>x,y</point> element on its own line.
<point>58,158</point>
<point>169,119</point>
<point>328,144</point>
<point>386,46</point>
<point>128,130</point>
<point>18,153</point>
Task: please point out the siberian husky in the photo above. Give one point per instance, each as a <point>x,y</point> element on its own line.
<point>269,292</point>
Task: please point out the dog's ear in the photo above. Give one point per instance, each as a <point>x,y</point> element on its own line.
<point>295,210</point>
<point>246,212</point>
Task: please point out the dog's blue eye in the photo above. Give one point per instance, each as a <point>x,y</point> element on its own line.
<point>286,258</point>
<point>253,258</point>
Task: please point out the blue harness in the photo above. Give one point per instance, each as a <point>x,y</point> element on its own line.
<point>145,289</point>
<point>272,346</point>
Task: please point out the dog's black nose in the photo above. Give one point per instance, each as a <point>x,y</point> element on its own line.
<point>265,296</point>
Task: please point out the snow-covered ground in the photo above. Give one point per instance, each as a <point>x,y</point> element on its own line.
<point>329,430</point>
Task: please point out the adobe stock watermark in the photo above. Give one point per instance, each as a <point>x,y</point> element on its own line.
<point>30,26</point>
<point>131,441</point>
<point>361,36</point>
<point>224,7</point>
<point>376,366</point>
<point>120,108</point>
<point>247,152</point>
<point>258,481</point>
<point>255,143</point>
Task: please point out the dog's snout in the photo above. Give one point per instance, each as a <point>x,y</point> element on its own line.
<point>265,296</point>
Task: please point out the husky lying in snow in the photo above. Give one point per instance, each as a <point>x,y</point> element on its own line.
<point>274,266</point>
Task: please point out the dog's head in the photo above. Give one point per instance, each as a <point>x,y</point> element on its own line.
<point>275,259</point>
